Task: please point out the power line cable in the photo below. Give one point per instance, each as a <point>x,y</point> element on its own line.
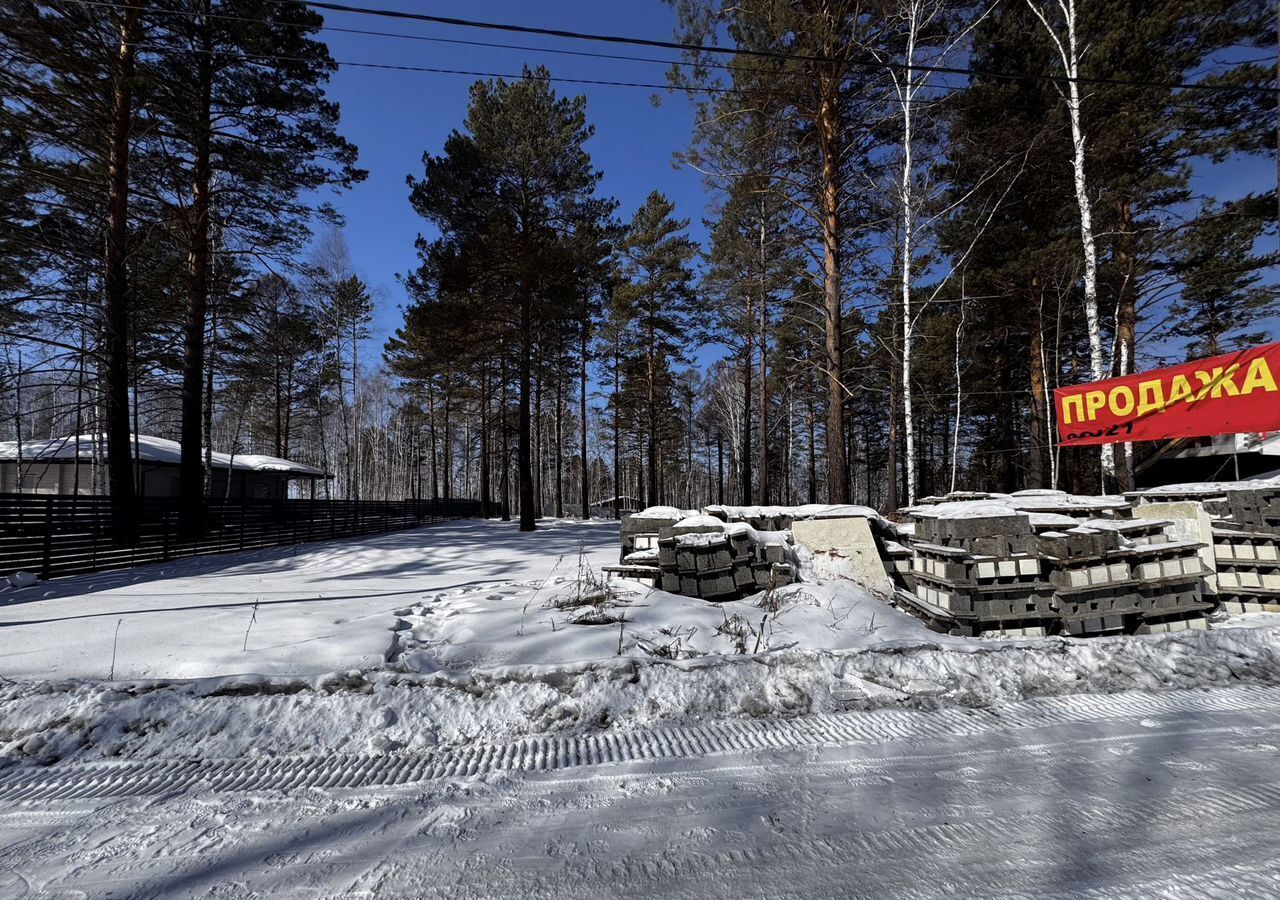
<point>936,98</point>
<point>767,54</point>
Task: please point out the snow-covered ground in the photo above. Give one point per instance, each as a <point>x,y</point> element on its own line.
<point>315,608</point>
<point>467,711</point>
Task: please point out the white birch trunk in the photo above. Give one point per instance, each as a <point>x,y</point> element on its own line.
<point>955,431</point>
<point>905,93</point>
<point>1070,56</point>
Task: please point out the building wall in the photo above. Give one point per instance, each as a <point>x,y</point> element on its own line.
<point>154,481</point>
<point>45,478</point>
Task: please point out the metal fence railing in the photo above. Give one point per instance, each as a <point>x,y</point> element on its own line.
<point>52,535</point>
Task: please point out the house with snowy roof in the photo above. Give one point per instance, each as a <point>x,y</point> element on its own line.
<point>1223,457</point>
<point>66,465</point>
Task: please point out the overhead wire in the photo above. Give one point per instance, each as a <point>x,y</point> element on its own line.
<point>937,95</point>
<point>769,54</point>
<point>447,20</point>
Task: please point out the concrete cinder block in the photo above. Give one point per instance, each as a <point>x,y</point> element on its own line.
<point>843,548</point>
<point>1189,522</point>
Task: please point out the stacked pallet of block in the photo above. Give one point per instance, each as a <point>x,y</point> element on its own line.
<point>640,556</point>
<point>1105,583</point>
<point>978,571</point>
<point>1246,539</point>
<point>1246,548</point>
<point>988,567</point>
<point>701,556</point>
<point>868,546</point>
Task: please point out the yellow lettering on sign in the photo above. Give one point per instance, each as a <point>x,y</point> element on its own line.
<point>1121,393</point>
<point>1180,390</point>
<point>1217,382</point>
<point>1150,397</point>
<point>1072,404</point>
<point>1093,402</point>
<point>1258,376</point>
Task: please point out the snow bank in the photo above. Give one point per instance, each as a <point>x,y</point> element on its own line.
<point>382,711</point>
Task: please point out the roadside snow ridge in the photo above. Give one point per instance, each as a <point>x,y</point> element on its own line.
<point>549,752</point>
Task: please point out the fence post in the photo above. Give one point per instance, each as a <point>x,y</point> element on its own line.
<point>47,567</point>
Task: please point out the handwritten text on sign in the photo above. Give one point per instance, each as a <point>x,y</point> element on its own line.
<point>1229,394</point>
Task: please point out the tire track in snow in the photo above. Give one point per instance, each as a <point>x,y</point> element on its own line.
<point>543,753</point>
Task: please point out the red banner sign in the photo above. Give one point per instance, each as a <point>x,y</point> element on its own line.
<point>1229,394</point>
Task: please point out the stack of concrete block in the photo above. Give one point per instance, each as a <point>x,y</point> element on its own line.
<point>701,557</point>
<point>982,592</point>
<point>1130,532</point>
<point>1124,589</point>
<point>998,569</point>
<point>1248,564</point>
<point>640,532</point>
<point>897,557</point>
<point>979,573</point>
<point>1256,509</point>
<point>983,535</point>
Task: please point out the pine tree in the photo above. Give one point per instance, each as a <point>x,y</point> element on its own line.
<point>508,195</point>
<point>247,143</point>
<point>1223,305</point>
<point>656,295</point>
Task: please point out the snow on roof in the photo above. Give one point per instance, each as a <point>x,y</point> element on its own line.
<point>149,449</point>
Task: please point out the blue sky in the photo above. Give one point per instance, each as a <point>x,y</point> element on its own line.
<point>394,116</point>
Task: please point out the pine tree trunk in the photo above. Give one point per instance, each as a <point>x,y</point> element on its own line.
<point>830,132</point>
<point>652,405</point>
<point>582,408</point>
<point>1035,468</point>
<point>207,424</point>
<point>539,457</point>
<point>764,353</point>
<point>190,469</point>
<point>116,287</point>
<point>524,446</point>
<point>617,429</point>
<point>358,469</point>
<point>748,377</point>
<point>506,448</point>
<point>813,452</point>
<point>435,449</point>
<point>486,502</point>
<point>559,454</point>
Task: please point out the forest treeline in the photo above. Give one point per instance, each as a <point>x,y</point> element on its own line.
<point>925,216</point>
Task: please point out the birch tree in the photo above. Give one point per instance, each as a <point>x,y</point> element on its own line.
<point>1063,34</point>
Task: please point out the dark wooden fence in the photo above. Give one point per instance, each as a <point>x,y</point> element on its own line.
<point>52,535</point>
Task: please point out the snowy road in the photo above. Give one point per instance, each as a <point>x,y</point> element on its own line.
<point>1105,796</point>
